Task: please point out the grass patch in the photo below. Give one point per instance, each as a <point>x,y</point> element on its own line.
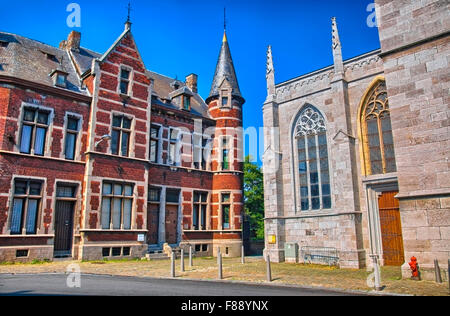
<point>107,260</point>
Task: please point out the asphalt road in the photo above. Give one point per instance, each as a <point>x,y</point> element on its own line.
<point>55,284</point>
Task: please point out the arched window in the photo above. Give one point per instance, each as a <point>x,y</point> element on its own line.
<point>378,143</point>
<point>313,168</point>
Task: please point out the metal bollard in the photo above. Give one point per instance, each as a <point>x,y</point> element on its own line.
<point>219,259</point>
<point>437,272</point>
<point>182,260</point>
<point>268,269</point>
<point>172,264</point>
<point>190,257</point>
<point>243,255</point>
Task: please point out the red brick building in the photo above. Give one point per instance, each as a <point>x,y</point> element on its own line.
<point>100,157</point>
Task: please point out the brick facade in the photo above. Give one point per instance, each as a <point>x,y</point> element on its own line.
<point>118,157</point>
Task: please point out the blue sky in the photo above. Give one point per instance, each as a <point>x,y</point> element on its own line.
<point>177,38</point>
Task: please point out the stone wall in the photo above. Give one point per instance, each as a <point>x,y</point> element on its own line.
<point>339,102</point>
<point>415,45</point>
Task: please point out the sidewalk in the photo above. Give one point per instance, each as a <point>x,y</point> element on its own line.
<point>253,271</point>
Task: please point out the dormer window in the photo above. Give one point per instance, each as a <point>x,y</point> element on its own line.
<point>224,101</point>
<point>225,98</point>
<point>124,81</point>
<point>186,103</point>
<point>52,57</point>
<point>59,78</point>
<point>181,98</point>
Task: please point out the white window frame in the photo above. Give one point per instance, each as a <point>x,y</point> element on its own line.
<point>48,137</point>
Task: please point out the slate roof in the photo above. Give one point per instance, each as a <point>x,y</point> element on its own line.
<point>34,61</point>
<point>225,71</point>
<point>163,87</point>
<point>27,59</point>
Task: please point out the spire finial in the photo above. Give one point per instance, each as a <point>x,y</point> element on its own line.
<point>337,48</point>
<point>225,25</point>
<point>224,19</point>
<point>129,12</point>
<point>270,74</point>
<point>128,22</point>
<point>335,32</point>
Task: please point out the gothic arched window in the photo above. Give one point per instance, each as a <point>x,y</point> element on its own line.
<point>312,154</point>
<point>378,143</point>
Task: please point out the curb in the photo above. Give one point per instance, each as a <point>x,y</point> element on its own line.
<point>265,284</point>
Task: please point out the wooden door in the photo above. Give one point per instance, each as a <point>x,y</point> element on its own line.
<point>391,229</point>
<point>63,228</point>
<point>152,223</point>
<point>171,223</point>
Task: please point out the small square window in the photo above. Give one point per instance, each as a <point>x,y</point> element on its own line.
<point>107,188</point>
<point>65,191</point>
<point>224,101</point>
<point>29,115</point>
<point>35,188</point>
<point>21,253</point>
<point>172,196</point>
<point>72,124</point>
<point>126,251</point>
<point>128,190</point>
<point>61,80</point>
<point>225,198</point>
<point>20,188</point>
<point>154,195</point>
<point>173,134</point>
<point>125,74</point>
<point>124,87</point>
<point>117,121</point>
<point>106,252</point>
<point>126,123</point>
<point>116,251</point>
<point>43,118</point>
<point>204,247</point>
<point>198,248</point>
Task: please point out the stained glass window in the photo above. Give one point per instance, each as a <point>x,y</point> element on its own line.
<point>379,154</point>
<point>313,167</point>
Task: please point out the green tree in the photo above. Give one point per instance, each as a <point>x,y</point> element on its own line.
<point>254,198</point>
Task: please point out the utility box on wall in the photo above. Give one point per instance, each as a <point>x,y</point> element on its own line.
<point>291,252</point>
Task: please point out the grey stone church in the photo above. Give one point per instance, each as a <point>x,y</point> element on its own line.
<point>356,162</point>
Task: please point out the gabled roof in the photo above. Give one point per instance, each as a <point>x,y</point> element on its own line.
<point>224,71</point>
<point>27,59</point>
<point>32,60</point>
<point>163,87</point>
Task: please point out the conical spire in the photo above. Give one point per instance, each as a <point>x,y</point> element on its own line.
<point>224,71</point>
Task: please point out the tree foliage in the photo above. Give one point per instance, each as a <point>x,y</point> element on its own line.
<point>254,198</point>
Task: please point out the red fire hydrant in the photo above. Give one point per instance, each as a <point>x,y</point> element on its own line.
<point>414,269</point>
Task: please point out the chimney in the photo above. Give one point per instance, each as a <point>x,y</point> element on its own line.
<point>73,41</point>
<point>191,82</point>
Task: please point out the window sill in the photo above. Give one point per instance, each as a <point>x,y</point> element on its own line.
<point>113,231</point>
<point>213,231</point>
<point>27,236</point>
<point>40,157</point>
